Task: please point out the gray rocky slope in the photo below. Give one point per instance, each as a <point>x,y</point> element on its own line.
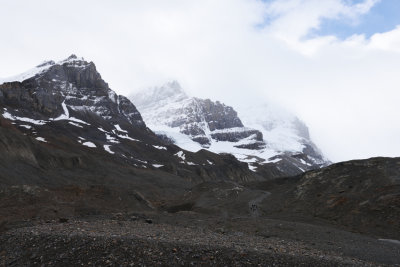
<point>276,143</point>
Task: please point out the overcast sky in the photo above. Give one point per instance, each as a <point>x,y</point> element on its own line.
<point>335,63</point>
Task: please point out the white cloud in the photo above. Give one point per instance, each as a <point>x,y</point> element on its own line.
<point>294,19</point>
<point>346,91</point>
<point>387,41</point>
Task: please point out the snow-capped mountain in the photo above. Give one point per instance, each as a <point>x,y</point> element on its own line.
<point>263,135</point>
<point>68,103</point>
<point>205,122</point>
<point>67,106</point>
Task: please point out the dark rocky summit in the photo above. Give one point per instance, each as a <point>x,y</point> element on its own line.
<point>84,181</point>
<point>74,83</point>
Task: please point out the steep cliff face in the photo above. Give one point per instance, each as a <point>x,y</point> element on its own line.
<point>276,144</point>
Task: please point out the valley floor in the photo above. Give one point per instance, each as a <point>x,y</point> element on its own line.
<point>188,238</point>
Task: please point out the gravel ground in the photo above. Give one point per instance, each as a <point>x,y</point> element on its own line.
<point>132,243</point>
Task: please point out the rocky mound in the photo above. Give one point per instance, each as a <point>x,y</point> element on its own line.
<point>362,194</point>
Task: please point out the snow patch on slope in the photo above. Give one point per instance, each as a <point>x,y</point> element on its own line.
<point>181,155</point>
<point>75,124</point>
<point>157,165</point>
<point>64,116</point>
<point>89,144</point>
<point>180,139</point>
<point>41,139</point>
<point>107,148</point>
<point>11,117</point>
<point>160,147</point>
<point>119,128</point>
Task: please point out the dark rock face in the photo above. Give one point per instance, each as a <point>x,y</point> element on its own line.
<point>203,115</point>
<point>219,116</point>
<point>165,139</point>
<point>253,146</point>
<point>235,136</point>
<point>202,140</point>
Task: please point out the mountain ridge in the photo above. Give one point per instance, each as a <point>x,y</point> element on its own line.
<point>68,103</point>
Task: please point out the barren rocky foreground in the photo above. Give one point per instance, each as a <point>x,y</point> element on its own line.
<point>189,239</point>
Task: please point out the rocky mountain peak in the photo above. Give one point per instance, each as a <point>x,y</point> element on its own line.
<point>174,85</point>
<point>73,84</point>
<point>75,71</point>
<point>73,56</point>
<point>171,90</point>
<point>167,93</point>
